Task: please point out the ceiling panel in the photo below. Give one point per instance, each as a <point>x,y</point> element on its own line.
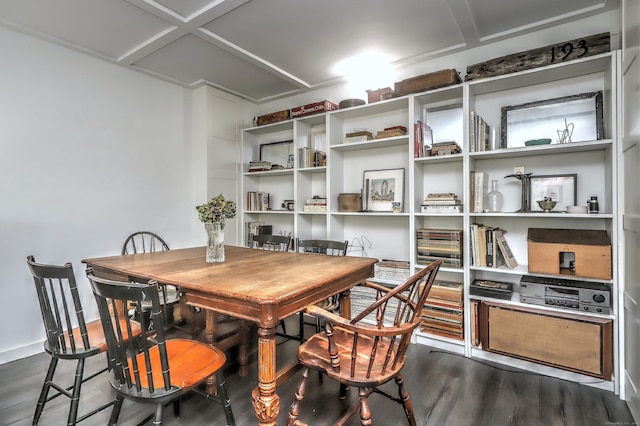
<point>264,49</point>
<point>212,64</point>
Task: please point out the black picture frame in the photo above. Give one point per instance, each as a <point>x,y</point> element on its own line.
<point>563,189</point>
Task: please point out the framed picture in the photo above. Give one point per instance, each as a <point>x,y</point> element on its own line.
<point>278,153</point>
<point>575,118</point>
<point>383,188</point>
<point>560,188</point>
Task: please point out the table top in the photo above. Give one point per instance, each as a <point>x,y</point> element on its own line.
<point>249,280</point>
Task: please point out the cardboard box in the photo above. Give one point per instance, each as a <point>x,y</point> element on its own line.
<point>577,252</point>
<point>273,117</point>
<point>314,108</point>
<point>429,81</point>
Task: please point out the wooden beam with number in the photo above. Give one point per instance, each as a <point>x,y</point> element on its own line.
<point>540,57</point>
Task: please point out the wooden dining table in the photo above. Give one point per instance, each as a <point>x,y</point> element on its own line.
<point>260,286</point>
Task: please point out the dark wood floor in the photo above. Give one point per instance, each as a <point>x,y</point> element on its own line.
<point>446,389</point>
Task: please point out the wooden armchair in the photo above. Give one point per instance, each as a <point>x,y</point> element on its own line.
<point>364,355</point>
<point>157,371</point>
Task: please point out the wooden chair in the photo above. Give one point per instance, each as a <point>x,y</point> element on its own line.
<point>364,355</point>
<point>149,242</point>
<point>155,372</point>
<point>269,242</point>
<point>69,337</point>
<point>329,248</point>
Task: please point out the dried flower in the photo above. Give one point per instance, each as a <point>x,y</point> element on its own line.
<point>217,210</point>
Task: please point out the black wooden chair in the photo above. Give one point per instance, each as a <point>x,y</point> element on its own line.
<point>269,242</point>
<point>328,248</point>
<point>369,350</point>
<point>155,372</point>
<point>69,337</point>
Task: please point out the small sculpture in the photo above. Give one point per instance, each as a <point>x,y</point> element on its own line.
<point>525,178</point>
<point>564,136</point>
<point>547,204</point>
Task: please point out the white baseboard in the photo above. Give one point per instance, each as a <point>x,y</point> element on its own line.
<point>21,352</point>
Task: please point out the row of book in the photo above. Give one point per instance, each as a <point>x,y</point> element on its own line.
<point>443,311</point>
<point>308,157</point>
<point>489,248</point>
<point>445,244</point>
<point>258,201</point>
<point>479,133</point>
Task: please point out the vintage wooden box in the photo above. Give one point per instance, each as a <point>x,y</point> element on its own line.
<point>273,117</point>
<point>543,56</point>
<point>379,94</point>
<point>314,108</point>
<point>579,252</point>
<point>429,81</point>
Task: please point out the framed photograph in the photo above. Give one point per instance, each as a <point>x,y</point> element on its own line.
<point>575,118</point>
<point>383,188</point>
<point>560,188</point>
<point>278,153</point>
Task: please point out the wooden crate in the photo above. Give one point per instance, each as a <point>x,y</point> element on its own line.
<point>379,95</point>
<point>314,108</point>
<point>548,249</point>
<point>568,341</point>
<point>273,117</point>
<point>548,55</point>
<point>424,82</point>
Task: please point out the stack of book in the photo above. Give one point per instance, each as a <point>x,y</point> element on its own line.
<point>258,201</point>
<point>308,157</point>
<point>489,248</point>
<point>445,148</point>
<point>259,166</point>
<point>445,244</point>
<point>443,310</point>
<point>390,132</point>
<point>357,136</point>
<point>441,202</point>
<point>315,204</point>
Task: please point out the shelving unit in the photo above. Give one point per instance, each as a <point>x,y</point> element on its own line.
<point>447,110</point>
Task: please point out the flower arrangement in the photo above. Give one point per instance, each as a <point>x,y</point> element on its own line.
<point>217,210</point>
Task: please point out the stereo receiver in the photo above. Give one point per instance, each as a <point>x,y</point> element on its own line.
<point>569,294</point>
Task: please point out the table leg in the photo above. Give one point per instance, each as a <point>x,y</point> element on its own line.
<point>265,400</point>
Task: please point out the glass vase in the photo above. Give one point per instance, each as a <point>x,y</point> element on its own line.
<point>494,198</point>
<point>215,241</point>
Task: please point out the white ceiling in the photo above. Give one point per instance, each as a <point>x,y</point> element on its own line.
<point>264,49</point>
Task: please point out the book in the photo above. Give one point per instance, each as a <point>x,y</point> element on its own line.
<point>510,261</point>
<point>448,290</point>
<point>479,188</point>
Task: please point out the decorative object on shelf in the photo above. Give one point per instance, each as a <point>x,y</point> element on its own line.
<point>494,198</point>
<point>593,205</point>
<point>213,214</point>
<point>490,288</point>
<point>348,103</point>
<point>525,201</point>
<point>273,117</point>
<point>397,206</point>
<point>542,56</point>
<point>564,135</point>
<point>559,188</point>
<point>314,108</point>
<point>382,188</point>
<point>379,94</point>
<point>533,142</point>
<point>357,135</point>
<point>547,204</point>
<point>350,202</point>
<point>279,154</point>
<point>445,148</point>
<point>425,82</point>
<point>545,117</point>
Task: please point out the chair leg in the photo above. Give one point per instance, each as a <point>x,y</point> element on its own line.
<point>224,399</point>
<point>115,412</point>
<point>294,410</point>
<point>176,407</point>
<point>406,401</point>
<point>301,325</point>
<point>45,389</point>
<point>157,419</point>
<point>365,412</point>
<point>318,330</point>
<point>75,395</point>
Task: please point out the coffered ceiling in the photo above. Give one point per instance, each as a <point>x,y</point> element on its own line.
<point>265,49</point>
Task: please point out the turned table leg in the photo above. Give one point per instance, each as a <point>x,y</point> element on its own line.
<point>211,329</point>
<point>265,400</point>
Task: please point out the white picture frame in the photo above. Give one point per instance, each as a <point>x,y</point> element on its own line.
<point>382,188</point>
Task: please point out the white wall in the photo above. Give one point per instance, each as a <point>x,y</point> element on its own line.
<point>89,152</point>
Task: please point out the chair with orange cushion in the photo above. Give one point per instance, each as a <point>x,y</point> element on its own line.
<point>69,337</point>
<point>369,350</point>
<point>158,371</point>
